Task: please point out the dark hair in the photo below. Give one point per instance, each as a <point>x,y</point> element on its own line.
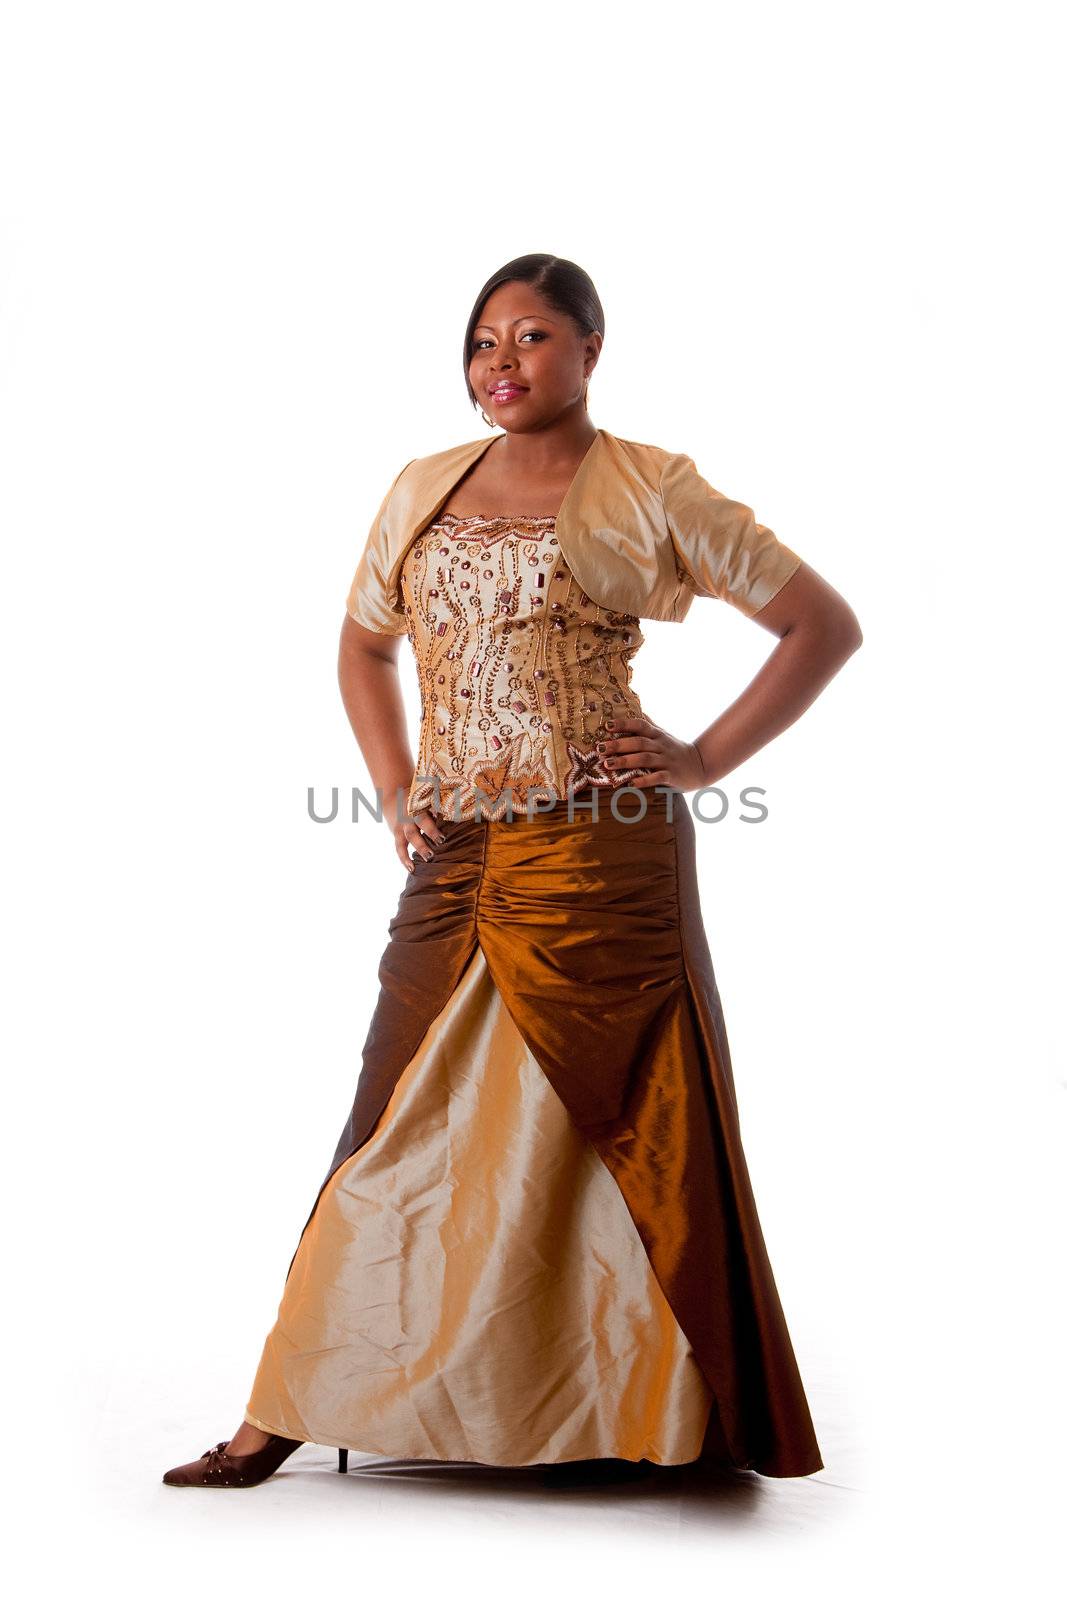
<point>563,284</point>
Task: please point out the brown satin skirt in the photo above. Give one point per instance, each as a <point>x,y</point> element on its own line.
<point>537,1239</point>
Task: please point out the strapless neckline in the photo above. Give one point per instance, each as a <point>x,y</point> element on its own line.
<point>479,516</point>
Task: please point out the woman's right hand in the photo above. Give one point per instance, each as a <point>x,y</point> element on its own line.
<point>421,834</point>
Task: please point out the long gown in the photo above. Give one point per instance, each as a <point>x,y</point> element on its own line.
<point>537,1240</point>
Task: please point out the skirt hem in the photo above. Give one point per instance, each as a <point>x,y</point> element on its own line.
<point>477,1461</point>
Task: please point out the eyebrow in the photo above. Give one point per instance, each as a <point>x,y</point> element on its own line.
<point>531,316</point>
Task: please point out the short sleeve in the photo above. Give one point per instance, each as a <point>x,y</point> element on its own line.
<point>368,600</point>
<point>721,549</point>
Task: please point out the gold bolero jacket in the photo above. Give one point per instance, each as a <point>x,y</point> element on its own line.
<point>641,530</point>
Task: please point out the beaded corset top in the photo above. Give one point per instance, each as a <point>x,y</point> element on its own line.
<point>518,668</point>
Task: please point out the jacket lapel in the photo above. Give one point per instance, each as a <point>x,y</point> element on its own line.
<point>421,490</point>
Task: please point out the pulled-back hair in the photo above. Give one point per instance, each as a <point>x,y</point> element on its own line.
<point>563,284</point>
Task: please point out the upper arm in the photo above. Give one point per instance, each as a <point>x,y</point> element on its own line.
<point>369,641</point>
<point>807,600</point>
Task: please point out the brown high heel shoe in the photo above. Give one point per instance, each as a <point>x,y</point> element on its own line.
<point>217,1470</point>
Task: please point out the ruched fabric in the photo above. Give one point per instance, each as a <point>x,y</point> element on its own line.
<point>572,944</point>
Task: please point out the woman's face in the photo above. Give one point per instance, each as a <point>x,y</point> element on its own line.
<point>521,341</point>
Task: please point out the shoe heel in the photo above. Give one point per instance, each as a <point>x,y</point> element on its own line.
<point>342,1460</point>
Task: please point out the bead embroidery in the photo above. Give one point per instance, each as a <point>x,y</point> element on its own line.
<point>515,686</point>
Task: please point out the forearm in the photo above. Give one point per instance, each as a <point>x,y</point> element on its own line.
<point>790,680</point>
<point>374,705</point>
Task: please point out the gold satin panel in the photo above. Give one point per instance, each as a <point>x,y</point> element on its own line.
<point>590,929</point>
<point>518,668</point>
<point>471,1286</point>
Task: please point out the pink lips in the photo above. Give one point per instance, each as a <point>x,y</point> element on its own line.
<point>507,392</point>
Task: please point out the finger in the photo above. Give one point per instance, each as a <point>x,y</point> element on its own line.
<point>430,827</point>
<point>631,741</point>
<point>636,728</point>
<point>427,823</point>
<point>408,835</point>
<point>639,756</point>
<point>651,780</point>
<point>418,842</point>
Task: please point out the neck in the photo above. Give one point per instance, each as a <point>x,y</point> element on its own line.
<point>556,446</point>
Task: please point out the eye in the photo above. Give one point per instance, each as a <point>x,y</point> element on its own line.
<point>531,333</point>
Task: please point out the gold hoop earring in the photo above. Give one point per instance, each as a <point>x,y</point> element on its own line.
<point>487,420</point>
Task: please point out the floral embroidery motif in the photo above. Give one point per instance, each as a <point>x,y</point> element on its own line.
<point>518,668</point>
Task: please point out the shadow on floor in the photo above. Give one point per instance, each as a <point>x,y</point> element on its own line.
<point>694,1484</point>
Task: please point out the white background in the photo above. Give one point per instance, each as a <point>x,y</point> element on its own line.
<point>239,247</point>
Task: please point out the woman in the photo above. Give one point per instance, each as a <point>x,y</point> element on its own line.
<point>537,1240</point>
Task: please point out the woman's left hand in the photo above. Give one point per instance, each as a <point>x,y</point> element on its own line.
<point>639,742</point>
